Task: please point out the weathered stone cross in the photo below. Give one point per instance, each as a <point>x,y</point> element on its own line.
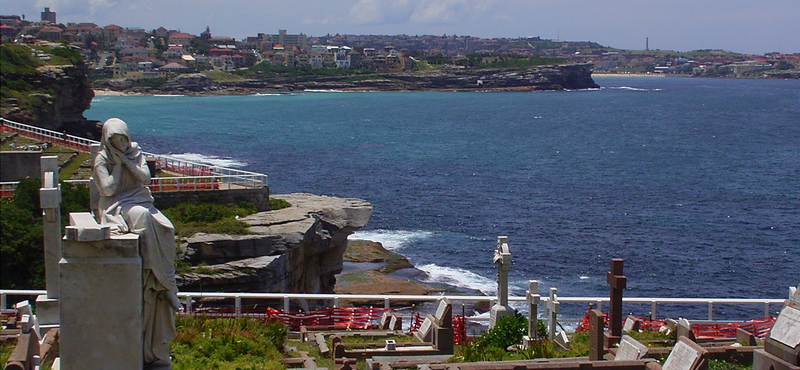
<point>553,306</point>
<point>502,258</point>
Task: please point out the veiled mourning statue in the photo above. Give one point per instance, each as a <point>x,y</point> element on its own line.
<point>120,174</point>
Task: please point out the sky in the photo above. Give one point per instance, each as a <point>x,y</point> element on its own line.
<point>743,26</point>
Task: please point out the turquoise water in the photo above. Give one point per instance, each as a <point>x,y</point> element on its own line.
<point>694,182</point>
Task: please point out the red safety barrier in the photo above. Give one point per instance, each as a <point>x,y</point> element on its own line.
<point>459,330</point>
<point>349,318</point>
<point>758,327</point>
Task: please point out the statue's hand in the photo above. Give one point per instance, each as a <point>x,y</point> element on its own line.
<point>174,302</point>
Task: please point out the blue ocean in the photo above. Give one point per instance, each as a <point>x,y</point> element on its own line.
<point>695,183</point>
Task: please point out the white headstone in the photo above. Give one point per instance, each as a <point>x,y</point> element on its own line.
<point>628,326</point>
<point>24,308</point>
<point>425,329</point>
<point>384,319</point>
<point>630,349</point>
<point>392,322</point>
<point>562,339</point>
<point>442,309</point>
<point>682,356</point>
<point>787,327</point>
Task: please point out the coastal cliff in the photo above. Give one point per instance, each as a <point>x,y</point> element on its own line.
<point>53,97</point>
<point>560,77</point>
<point>292,250</point>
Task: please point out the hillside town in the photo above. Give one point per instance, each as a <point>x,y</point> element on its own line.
<point>135,53</point>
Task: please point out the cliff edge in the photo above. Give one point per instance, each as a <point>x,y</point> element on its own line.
<point>298,249</point>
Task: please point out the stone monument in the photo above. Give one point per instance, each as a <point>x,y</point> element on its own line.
<point>50,201</point>
<point>551,309</point>
<point>502,259</point>
<point>616,281</point>
<point>101,298</point>
<point>782,344</point>
<point>533,298</point>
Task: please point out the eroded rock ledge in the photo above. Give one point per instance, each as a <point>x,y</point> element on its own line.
<point>294,250</point>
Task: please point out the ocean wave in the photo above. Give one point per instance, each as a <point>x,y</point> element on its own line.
<point>392,240</point>
<point>629,88</point>
<point>458,277</point>
<point>267,94</point>
<point>209,159</point>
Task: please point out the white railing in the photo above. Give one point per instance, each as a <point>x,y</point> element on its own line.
<point>199,176</point>
<point>189,297</point>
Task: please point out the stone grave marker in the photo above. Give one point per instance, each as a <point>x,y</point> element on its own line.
<point>393,323</point>
<point>597,322</point>
<point>684,329</point>
<point>502,259</point>
<point>562,340</point>
<point>50,202</point>
<point>686,355</point>
<point>533,298</point>
<point>423,334</point>
<point>617,282</point>
<point>384,323</point>
<point>786,329</point>
<point>631,323</point>
<point>630,349</point>
<point>553,306</point>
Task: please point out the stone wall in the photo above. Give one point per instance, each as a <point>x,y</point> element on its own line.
<point>15,165</point>
<point>258,197</point>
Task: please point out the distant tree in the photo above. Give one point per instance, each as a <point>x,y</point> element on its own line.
<point>21,234</point>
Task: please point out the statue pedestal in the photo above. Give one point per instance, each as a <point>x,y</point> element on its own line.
<point>100,302</point>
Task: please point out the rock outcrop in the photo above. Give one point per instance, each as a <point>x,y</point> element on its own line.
<point>61,109</point>
<point>297,249</point>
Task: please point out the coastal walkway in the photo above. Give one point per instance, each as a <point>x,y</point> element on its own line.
<point>178,174</point>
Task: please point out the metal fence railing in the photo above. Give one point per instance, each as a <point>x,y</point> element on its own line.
<point>191,175</point>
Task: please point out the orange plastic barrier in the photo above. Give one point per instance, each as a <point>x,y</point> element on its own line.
<point>758,327</point>
<point>350,318</point>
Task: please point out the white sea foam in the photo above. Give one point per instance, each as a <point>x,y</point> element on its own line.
<point>267,94</point>
<point>392,240</point>
<point>209,159</point>
<point>458,277</point>
<point>629,88</point>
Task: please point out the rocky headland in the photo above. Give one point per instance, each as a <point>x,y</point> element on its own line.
<point>572,76</point>
<point>69,94</point>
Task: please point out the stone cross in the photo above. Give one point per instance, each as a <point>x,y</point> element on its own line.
<point>553,306</point>
<point>502,258</point>
<point>616,280</point>
<point>50,201</point>
<point>533,298</point>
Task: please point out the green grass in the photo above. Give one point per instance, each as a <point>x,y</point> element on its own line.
<point>227,344</point>
<point>190,219</point>
<point>276,204</point>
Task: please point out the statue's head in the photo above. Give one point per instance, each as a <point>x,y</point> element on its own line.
<point>116,134</point>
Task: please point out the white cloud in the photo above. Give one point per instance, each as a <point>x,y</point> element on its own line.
<point>450,11</point>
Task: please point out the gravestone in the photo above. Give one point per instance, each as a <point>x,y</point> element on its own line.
<point>533,298</point>
<point>631,323</point>
<point>630,349</point>
<point>597,322</point>
<point>50,202</point>
<point>502,259</point>
<point>686,355</point>
<point>617,282</point>
<point>782,344</point>
<point>553,307</point>
<point>100,284</point>
<point>684,329</point>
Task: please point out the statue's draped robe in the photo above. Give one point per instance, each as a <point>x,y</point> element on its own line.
<point>127,205</point>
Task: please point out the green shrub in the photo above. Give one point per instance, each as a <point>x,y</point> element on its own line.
<point>276,204</point>
<point>190,219</point>
<point>224,343</point>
